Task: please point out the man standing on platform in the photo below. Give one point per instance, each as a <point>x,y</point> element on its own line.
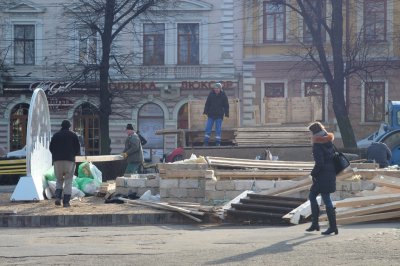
<point>216,107</point>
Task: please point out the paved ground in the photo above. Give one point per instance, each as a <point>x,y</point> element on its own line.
<point>89,211</point>
<point>361,245</point>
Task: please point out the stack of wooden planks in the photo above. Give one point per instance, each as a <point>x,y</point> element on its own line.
<point>193,211</point>
<point>233,168</point>
<point>273,136</point>
<point>13,167</point>
<point>382,205</point>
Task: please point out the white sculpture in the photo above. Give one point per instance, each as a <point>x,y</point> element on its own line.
<point>38,155</point>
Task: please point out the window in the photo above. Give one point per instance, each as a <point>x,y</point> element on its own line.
<point>151,119</point>
<point>274,22</point>
<point>274,90</point>
<point>375,20</point>
<point>374,101</point>
<point>188,44</point>
<point>316,10</point>
<point>153,44</point>
<point>87,46</point>
<point>24,44</point>
<point>87,126</point>
<point>18,125</point>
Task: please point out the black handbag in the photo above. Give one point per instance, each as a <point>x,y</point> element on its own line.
<point>340,161</point>
<point>143,141</point>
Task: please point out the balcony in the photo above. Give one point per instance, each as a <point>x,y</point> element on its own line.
<point>182,72</point>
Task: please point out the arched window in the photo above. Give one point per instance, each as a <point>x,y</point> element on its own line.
<point>18,124</point>
<point>150,119</point>
<point>183,117</point>
<point>87,126</point>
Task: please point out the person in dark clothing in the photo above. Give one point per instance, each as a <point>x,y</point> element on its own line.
<point>215,108</point>
<point>133,151</point>
<point>380,153</point>
<point>64,146</point>
<point>323,177</point>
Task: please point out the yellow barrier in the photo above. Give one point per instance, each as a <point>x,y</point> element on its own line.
<point>13,167</point>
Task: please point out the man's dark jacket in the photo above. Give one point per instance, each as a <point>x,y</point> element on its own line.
<point>64,146</point>
<point>217,105</point>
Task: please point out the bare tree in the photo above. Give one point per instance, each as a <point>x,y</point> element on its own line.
<point>107,19</point>
<point>337,58</point>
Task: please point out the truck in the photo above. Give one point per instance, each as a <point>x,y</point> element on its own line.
<point>388,133</point>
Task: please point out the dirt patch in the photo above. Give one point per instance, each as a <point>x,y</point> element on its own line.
<point>85,205</point>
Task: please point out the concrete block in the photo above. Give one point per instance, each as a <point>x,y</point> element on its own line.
<point>214,195</point>
<point>169,183</point>
<point>356,186</point>
<point>189,183</point>
<point>229,195</point>
<point>120,182</point>
<point>264,184</point>
<point>225,185</point>
<point>177,192</point>
<point>367,185</point>
<point>133,182</point>
<point>284,183</point>
<point>195,193</point>
<point>343,185</point>
<point>210,185</point>
<point>163,193</point>
<point>242,185</point>
<point>152,183</point>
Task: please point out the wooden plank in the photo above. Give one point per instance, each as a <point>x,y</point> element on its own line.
<point>364,165</point>
<point>268,175</point>
<point>367,200</point>
<point>13,172</point>
<point>215,161</point>
<point>388,181</point>
<point>98,158</point>
<point>368,218</point>
<point>186,174</point>
<point>364,210</point>
<point>304,184</point>
<point>16,166</point>
<point>371,173</point>
<point>18,161</point>
<point>283,128</point>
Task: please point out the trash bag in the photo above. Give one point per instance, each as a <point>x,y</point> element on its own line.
<point>88,185</point>
<point>84,170</point>
<point>49,175</point>
<point>76,193</point>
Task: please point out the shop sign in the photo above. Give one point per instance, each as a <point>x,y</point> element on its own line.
<point>59,104</point>
<point>50,87</point>
<point>133,86</point>
<point>195,85</point>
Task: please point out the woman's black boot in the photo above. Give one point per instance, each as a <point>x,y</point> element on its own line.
<point>314,222</point>
<point>332,222</point>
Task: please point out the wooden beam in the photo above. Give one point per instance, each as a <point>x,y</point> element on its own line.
<point>388,181</point>
<point>370,217</point>
<point>367,200</point>
<point>364,210</point>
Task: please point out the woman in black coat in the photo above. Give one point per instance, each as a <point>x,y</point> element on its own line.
<point>323,176</point>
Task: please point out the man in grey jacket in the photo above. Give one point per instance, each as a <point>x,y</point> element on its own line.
<point>133,151</point>
<point>380,153</point>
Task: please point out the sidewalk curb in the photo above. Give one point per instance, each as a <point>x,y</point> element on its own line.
<point>92,220</point>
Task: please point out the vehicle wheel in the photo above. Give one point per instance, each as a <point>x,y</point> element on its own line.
<point>178,157</point>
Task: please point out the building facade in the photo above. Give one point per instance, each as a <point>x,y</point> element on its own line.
<point>167,58</point>
<point>273,69</point>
